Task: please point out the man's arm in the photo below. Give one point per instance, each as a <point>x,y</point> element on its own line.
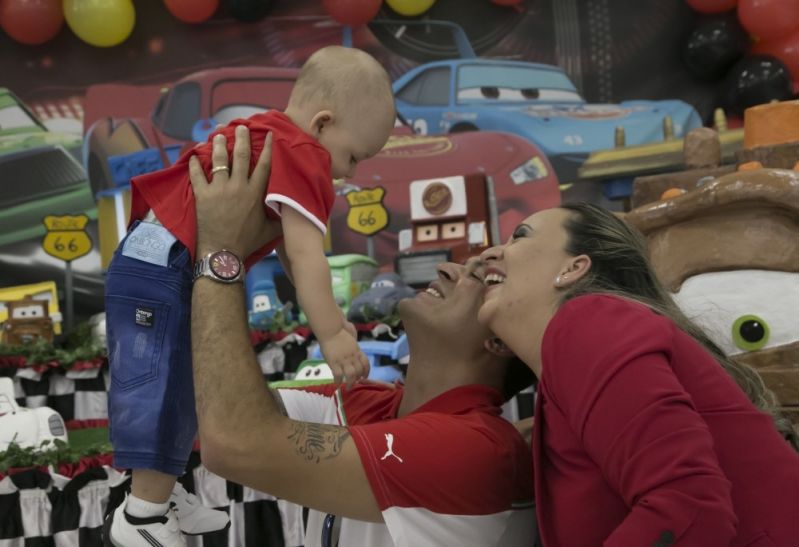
<point>243,435</point>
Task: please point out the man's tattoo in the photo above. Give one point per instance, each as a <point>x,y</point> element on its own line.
<point>316,442</point>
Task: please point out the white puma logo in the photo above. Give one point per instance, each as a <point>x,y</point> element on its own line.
<point>390,446</point>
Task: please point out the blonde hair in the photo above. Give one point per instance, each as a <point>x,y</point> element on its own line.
<point>620,266</point>
<point>335,76</point>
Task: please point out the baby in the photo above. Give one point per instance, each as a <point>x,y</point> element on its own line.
<point>340,112</point>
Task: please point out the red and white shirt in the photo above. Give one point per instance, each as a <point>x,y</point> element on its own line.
<point>300,178</point>
<point>452,472</point>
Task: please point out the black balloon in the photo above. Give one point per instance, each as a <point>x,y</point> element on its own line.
<point>249,10</point>
<point>713,47</point>
<point>756,80</point>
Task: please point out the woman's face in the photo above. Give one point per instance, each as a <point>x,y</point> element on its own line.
<point>520,275</point>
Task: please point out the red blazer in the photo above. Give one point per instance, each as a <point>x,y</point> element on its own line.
<point>642,439</point>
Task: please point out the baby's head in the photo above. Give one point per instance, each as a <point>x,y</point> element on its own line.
<point>343,98</point>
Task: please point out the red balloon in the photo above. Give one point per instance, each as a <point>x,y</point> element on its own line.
<point>192,11</point>
<point>31,22</point>
<point>786,49</point>
<point>352,12</point>
<point>712,6</point>
<point>769,20</point>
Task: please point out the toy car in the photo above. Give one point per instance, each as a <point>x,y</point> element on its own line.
<point>27,321</point>
<point>523,179</point>
<point>122,120</point>
<point>380,300</point>
<point>451,220</point>
<point>40,176</point>
<point>536,101</point>
<point>263,304</point>
<point>27,426</point>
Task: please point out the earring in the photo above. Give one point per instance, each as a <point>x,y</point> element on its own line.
<point>497,344</point>
<point>557,281</point>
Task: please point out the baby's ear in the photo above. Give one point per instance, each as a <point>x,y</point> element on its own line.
<point>320,122</point>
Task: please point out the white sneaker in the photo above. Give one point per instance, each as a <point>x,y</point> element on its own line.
<point>194,518</point>
<point>122,530</point>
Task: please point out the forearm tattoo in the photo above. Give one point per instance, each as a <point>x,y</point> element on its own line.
<point>316,442</point>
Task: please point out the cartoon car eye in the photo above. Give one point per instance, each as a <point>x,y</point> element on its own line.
<point>530,93</point>
<point>750,332</point>
<point>490,92</point>
<point>260,303</point>
<point>453,230</point>
<point>427,232</point>
<point>27,312</point>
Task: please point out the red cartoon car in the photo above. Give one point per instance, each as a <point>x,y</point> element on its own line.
<point>121,119</point>
<point>522,179</point>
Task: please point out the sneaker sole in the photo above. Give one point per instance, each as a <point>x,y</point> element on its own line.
<point>204,533</point>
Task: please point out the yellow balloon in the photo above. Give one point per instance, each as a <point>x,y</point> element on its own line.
<point>102,23</point>
<point>410,7</point>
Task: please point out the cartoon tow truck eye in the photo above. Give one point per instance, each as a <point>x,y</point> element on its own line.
<point>450,221</point>
<point>28,320</point>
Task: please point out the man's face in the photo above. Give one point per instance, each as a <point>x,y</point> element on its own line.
<point>448,307</point>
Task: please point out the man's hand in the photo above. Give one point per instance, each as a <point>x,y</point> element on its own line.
<point>345,358</point>
<point>230,209</point>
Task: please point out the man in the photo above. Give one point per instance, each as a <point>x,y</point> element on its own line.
<point>432,463</point>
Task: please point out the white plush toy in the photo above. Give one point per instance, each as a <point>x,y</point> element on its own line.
<point>27,426</point>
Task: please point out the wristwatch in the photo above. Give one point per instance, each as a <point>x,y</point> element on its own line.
<point>223,266</point>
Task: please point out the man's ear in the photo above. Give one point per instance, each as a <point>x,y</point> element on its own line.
<point>319,122</point>
<point>497,347</point>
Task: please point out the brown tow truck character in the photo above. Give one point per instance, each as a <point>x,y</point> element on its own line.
<point>729,252</point>
<point>28,320</point>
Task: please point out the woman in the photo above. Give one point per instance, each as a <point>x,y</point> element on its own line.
<point>641,438</point>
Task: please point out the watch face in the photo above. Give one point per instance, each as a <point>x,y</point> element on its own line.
<point>225,265</point>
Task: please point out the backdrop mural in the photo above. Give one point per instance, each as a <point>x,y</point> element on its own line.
<point>89,102</point>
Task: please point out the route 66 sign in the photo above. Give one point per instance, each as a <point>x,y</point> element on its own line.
<point>367,215</point>
<point>66,237</point>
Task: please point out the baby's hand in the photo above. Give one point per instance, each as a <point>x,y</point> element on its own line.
<point>345,358</point>
<point>350,328</point>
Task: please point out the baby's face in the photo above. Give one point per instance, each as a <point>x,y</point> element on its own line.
<point>351,143</point>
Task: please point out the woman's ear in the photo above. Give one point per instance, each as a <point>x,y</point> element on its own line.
<point>319,122</point>
<point>573,270</point>
<point>497,347</point>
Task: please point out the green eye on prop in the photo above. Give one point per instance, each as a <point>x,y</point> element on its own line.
<point>750,333</point>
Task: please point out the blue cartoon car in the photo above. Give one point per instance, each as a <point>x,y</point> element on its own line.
<point>536,101</point>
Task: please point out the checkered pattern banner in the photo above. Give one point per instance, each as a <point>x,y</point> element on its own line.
<point>75,394</point>
<point>47,509</point>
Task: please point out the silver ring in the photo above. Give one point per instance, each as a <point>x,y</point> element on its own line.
<point>219,168</point>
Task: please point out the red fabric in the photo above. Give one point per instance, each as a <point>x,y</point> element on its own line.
<point>441,444</point>
<point>13,361</point>
<point>85,424</point>
<point>261,336</point>
<point>97,362</point>
<point>300,171</point>
<point>67,469</point>
<point>641,436</point>
<point>17,361</point>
